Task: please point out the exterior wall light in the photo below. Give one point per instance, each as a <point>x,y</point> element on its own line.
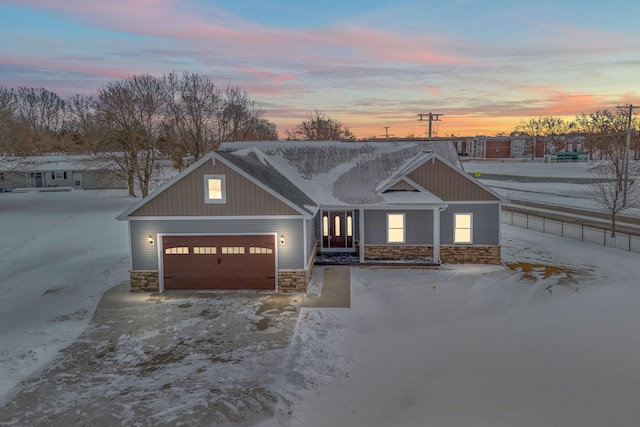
<point>282,241</point>
<point>150,240</point>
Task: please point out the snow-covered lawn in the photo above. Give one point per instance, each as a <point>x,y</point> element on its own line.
<point>60,251</point>
<point>551,339</point>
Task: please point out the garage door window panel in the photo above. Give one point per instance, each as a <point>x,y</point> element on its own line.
<point>205,250</point>
<point>233,250</point>
<point>260,251</point>
<point>180,250</point>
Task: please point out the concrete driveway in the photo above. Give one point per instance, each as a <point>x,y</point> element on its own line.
<point>177,359</point>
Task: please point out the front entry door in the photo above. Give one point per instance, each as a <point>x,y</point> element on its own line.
<point>337,230</point>
<point>337,235</point>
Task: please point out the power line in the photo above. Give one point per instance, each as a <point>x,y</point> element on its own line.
<point>433,117</point>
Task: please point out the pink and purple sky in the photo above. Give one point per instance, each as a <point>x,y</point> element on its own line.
<point>485,65</point>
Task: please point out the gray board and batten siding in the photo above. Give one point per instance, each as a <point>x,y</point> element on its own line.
<point>486,222</point>
<point>418,226</point>
<point>186,197</point>
<point>145,256</point>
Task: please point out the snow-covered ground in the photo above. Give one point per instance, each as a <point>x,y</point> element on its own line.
<point>60,252</point>
<point>550,338</point>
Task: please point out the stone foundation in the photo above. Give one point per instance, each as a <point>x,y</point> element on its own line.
<point>449,254</point>
<point>144,281</point>
<point>397,252</point>
<point>457,254</point>
<point>294,281</point>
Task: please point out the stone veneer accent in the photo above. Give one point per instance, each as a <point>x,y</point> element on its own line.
<point>460,254</point>
<point>449,254</point>
<point>144,280</point>
<point>293,281</point>
<point>397,252</point>
<point>296,281</point>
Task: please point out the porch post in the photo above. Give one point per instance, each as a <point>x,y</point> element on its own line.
<point>436,235</point>
<point>361,232</point>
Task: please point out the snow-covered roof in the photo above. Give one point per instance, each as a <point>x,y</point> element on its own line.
<point>50,163</point>
<point>258,165</point>
<point>335,173</point>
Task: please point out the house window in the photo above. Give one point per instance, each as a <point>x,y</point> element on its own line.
<point>215,189</point>
<point>462,228</point>
<point>395,228</point>
<point>349,226</point>
<point>336,227</point>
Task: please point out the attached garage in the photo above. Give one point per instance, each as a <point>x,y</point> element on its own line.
<point>219,262</point>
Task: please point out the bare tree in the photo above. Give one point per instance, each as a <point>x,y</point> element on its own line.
<point>548,130</point>
<point>605,131</point>
<point>608,188</point>
<point>130,112</point>
<point>40,114</point>
<point>80,128</point>
<point>262,130</point>
<point>318,127</point>
<point>7,105</point>
<point>240,117</point>
<point>193,105</point>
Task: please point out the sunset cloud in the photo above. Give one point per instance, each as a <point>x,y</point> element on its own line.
<point>374,65</point>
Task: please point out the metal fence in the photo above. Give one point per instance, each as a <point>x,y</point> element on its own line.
<point>600,236</point>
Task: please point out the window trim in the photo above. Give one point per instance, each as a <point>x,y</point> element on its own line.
<point>456,228</point>
<point>223,189</point>
<point>404,227</point>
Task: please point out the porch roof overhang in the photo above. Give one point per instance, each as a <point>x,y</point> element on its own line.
<point>395,200</point>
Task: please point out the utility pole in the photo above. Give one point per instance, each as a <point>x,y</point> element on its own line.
<point>627,148</point>
<point>386,133</point>
<point>433,117</point>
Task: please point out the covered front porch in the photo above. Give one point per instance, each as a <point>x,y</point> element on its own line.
<point>379,234</point>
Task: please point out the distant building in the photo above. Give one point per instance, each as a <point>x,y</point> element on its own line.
<point>56,171</point>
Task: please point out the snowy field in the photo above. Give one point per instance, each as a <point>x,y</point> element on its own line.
<point>60,252</point>
<point>549,338</point>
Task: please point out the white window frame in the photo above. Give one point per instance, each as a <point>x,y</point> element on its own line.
<point>404,227</point>
<point>223,189</point>
<point>456,228</point>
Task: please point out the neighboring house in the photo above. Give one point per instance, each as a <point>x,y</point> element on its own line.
<point>55,171</point>
<point>253,215</point>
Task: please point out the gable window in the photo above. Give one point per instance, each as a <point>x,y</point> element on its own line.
<point>462,232</point>
<point>215,189</point>
<point>395,228</point>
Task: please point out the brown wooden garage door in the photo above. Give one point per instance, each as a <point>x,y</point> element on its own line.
<point>219,262</point>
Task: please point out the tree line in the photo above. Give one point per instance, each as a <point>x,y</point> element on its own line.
<point>132,123</point>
